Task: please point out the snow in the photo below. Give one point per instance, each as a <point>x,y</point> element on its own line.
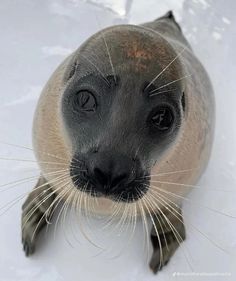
<point>216,35</point>
<point>35,37</point>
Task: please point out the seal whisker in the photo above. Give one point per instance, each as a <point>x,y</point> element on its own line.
<point>38,224</point>
<point>86,209</point>
<point>129,218</point>
<point>61,210</point>
<point>137,151</point>
<point>134,216</point>
<point>127,222</point>
<point>156,230</point>
<point>170,172</point>
<point>145,225</point>
<point>166,205</point>
<point>74,209</point>
<point>114,214</point>
<point>79,204</point>
<point>102,74</point>
<point>154,92</point>
<point>191,186</point>
<point>52,207</point>
<point>31,149</point>
<point>33,161</point>
<point>108,52</point>
<point>120,224</point>
<point>14,184</point>
<point>37,206</point>
<point>15,201</point>
<point>165,68</point>
<point>117,207</point>
<point>91,202</point>
<point>134,219</point>
<point>159,219</point>
<point>56,203</point>
<point>192,202</point>
<point>161,92</point>
<point>175,232</point>
<point>66,212</point>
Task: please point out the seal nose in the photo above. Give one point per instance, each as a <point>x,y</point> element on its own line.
<point>112,174</point>
<point>109,170</point>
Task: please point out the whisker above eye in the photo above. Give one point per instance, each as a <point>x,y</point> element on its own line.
<point>107,49</point>
<point>155,92</point>
<point>165,68</point>
<point>102,74</point>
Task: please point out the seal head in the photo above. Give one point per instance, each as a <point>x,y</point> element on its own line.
<point>120,110</point>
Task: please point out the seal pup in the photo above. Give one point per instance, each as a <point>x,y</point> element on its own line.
<point>128,118</point>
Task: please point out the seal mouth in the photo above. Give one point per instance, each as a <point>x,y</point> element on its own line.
<point>127,185</point>
<point>129,193</point>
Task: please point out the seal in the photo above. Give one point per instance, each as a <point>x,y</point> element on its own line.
<point>126,119</point>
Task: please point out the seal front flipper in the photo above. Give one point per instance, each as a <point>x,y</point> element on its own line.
<point>171,233</point>
<point>34,214</point>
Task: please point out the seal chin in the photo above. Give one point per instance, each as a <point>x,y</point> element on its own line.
<point>109,175</point>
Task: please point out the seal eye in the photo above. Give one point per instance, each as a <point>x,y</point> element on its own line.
<point>163,118</point>
<point>85,100</point>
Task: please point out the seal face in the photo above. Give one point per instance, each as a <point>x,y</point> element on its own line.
<point>119,124</point>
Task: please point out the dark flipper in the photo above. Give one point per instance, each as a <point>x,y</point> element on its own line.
<point>34,215</point>
<point>166,235</point>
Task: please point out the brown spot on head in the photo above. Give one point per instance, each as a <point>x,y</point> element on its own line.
<point>136,52</point>
<point>140,55</point>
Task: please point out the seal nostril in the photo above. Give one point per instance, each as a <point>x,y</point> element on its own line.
<point>94,150</point>
<point>118,180</point>
<point>100,176</point>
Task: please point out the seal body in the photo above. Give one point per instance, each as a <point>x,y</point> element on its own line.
<point>192,148</point>
<point>146,109</point>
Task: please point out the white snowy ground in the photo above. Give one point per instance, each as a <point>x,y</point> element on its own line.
<point>35,36</point>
